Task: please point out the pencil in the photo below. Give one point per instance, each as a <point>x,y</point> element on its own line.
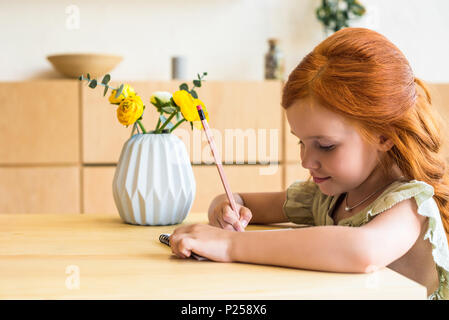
<point>217,159</point>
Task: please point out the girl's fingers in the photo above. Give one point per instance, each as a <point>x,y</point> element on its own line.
<point>231,218</point>
<point>245,216</point>
<point>180,245</point>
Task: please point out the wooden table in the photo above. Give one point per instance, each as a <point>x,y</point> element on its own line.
<point>95,256</point>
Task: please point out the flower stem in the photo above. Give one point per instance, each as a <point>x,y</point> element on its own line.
<point>158,124</point>
<point>179,122</point>
<point>167,121</point>
<point>141,126</point>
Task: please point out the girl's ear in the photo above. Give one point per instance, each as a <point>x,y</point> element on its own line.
<point>385,144</point>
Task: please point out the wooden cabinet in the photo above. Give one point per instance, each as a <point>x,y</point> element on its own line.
<point>54,189</point>
<point>39,147</point>
<point>61,141</point>
<point>440,100</point>
<point>39,122</point>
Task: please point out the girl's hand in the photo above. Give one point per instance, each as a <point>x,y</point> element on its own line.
<point>223,216</point>
<point>205,240</point>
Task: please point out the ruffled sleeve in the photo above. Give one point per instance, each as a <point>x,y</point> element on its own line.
<point>423,195</point>
<point>298,205</point>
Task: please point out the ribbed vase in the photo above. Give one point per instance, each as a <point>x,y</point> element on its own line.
<point>154,182</point>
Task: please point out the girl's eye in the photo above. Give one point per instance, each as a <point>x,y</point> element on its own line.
<point>327,148</point>
<point>324,148</point>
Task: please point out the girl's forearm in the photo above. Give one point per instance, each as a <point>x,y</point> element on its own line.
<point>324,248</point>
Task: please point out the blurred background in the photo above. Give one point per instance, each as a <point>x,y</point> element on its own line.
<point>228,38</point>
<point>60,140</point>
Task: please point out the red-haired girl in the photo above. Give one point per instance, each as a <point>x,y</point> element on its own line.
<point>378,192</point>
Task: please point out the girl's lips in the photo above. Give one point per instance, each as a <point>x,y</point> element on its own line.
<point>319,180</point>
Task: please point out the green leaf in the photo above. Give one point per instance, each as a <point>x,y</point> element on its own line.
<point>93,83</point>
<point>204,73</point>
<point>158,102</point>
<point>169,109</point>
<point>184,86</point>
<point>191,125</point>
<point>119,91</point>
<point>80,78</point>
<point>105,90</point>
<point>178,116</point>
<point>106,79</point>
<point>197,83</point>
<point>194,94</point>
<point>88,76</point>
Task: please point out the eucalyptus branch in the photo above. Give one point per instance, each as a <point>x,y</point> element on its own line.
<point>92,83</point>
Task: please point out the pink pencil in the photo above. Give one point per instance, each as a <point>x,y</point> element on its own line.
<point>217,159</point>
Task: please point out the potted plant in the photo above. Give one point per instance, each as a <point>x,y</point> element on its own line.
<point>336,14</point>
<point>154,183</point>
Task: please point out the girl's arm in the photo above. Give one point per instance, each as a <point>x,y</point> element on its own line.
<point>328,248</point>
<point>335,248</point>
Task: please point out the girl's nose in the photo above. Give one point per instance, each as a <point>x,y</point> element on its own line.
<point>308,161</point>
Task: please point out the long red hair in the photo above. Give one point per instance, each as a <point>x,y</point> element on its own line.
<point>361,75</point>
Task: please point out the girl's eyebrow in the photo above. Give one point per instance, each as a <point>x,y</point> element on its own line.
<point>313,137</point>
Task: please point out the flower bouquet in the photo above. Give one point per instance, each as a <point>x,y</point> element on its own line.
<point>154,183</point>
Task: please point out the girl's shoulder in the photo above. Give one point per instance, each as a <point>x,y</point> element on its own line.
<point>398,191</point>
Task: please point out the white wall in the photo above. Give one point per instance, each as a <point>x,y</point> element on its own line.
<point>226,38</point>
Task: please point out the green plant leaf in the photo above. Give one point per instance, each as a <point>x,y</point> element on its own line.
<point>197,83</point>
<point>169,109</point>
<point>119,91</point>
<point>80,78</point>
<point>93,83</point>
<point>88,76</point>
<point>106,79</point>
<point>105,90</point>
<point>184,86</point>
<point>158,102</point>
<point>191,125</point>
<point>194,94</point>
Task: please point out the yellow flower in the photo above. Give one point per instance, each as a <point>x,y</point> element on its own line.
<point>130,110</point>
<point>127,91</point>
<point>197,123</point>
<point>187,104</point>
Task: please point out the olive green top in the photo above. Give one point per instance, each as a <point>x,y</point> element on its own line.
<point>305,204</point>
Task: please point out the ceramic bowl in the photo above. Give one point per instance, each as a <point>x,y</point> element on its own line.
<point>73,65</point>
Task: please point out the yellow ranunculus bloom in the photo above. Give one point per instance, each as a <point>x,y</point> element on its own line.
<point>197,123</point>
<point>187,104</point>
<point>130,110</point>
<point>127,91</point>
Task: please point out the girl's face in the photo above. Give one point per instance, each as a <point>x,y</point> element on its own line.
<point>331,147</point>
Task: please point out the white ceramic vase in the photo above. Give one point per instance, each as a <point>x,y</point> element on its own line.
<point>154,182</point>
